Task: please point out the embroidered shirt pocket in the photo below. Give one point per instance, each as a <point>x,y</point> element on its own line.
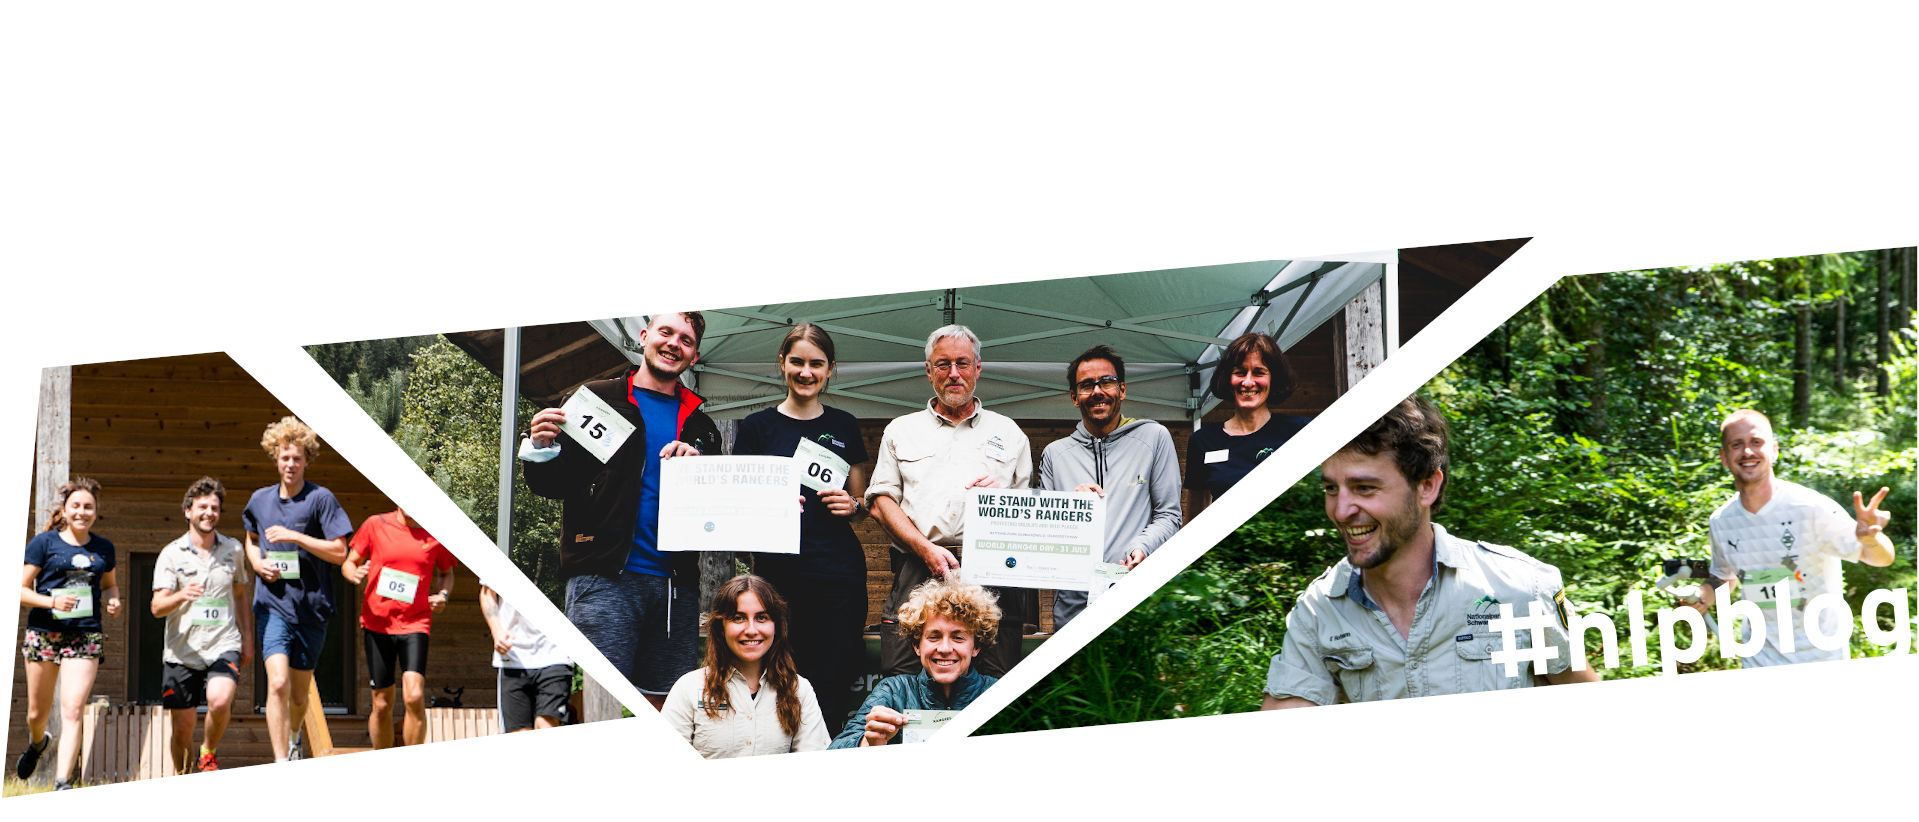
<point>1352,667</point>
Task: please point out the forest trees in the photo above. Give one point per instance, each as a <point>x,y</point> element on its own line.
<point>1585,433</point>
<point>442,407</point>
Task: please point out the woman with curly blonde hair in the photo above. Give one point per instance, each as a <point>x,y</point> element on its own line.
<point>747,699</point>
<point>949,623</point>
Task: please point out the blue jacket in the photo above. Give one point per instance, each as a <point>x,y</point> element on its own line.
<point>912,692</point>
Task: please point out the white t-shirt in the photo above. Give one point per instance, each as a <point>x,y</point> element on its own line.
<point>1799,535</point>
<point>530,650</point>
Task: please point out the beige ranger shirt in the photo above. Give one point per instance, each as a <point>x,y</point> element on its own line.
<point>927,462</point>
<point>1340,647</point>
<point>192,639</point>
<point>752,725</point>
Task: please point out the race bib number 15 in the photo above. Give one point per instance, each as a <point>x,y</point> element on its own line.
<point>594,424</point>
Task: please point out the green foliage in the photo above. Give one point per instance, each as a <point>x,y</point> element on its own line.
<point>443,409</point>
<point>450,425</point>
<point>1585,432</point>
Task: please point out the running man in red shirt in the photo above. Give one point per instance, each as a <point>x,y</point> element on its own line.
<point>393,557</point>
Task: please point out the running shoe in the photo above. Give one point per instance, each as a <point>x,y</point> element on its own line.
<point>209,762</point>
<point>30,758</point>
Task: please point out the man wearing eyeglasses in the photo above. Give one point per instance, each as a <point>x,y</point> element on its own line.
<point>929,462</point>
<point>1130,463</point>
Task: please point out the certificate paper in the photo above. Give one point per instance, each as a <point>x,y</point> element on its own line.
<point>729,504</point>
<point>594,424</point>
<point>1032,539</point>
<point>922,724</point>
<point>1105,575</point>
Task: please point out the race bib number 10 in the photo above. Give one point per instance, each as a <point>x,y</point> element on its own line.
<point>398,585</point>
<point>594,424</point>
<point>819,468</point>
<point>211,611</point>
<point>286,562</point>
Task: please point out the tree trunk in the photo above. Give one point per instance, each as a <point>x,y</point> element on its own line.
<point>1882,385</point>
<point>1802,352</point>
<point>1839,342</point>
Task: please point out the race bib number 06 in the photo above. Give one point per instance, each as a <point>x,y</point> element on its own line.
<point>594,424</point>
<point>397,585</point>
<point>819,468</point>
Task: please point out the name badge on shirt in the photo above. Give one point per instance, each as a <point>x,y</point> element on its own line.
<point>996,448</point>
<point>83,607</point>
<point>397,585</point>
<point>286,562</point>
<point>920,725</point>
<point>1215,456</point>
<point>819,469</point>
<point>211,611</point>
<point>594,424</point>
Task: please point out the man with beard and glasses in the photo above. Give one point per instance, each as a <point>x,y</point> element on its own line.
<point>1407,612</point>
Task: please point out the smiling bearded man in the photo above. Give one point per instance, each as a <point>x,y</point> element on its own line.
<point>1407,612</point>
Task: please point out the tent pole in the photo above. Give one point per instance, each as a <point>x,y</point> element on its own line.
<point>509,401</point>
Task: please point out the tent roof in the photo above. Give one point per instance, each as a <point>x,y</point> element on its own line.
<point>1169,325</point>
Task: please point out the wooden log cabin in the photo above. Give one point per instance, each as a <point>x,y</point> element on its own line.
<point>147,429</point>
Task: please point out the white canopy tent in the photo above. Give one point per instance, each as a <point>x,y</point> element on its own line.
<point>1169,325</point>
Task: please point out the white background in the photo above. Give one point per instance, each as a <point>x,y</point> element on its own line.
<point>189,177</point>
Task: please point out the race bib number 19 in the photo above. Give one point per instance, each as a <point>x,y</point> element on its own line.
<point>82,608</point>
<point>398,585</point>
<point>211,611</point>
<point>594,424</point>
<point>286,562</point>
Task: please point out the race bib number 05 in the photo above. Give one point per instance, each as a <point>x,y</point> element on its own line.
<point>286,562</point>
<point>594,424</point>
<point>397,585</point>
<point>82,608</point>
<point>819,468</point>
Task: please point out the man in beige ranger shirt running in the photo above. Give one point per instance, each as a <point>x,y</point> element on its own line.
<point>1406,612</point>
<point>929,461</point>
<point>200,587</point>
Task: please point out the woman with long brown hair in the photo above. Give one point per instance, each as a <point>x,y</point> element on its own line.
<point>825,583</point>
<point>68,575</point>
<point>748,699</point>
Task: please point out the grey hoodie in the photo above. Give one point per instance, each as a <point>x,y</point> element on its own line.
<point>1139,469</point>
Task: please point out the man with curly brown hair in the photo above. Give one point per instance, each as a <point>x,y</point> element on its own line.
<point>296,532</point>
<point>948,623</point>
